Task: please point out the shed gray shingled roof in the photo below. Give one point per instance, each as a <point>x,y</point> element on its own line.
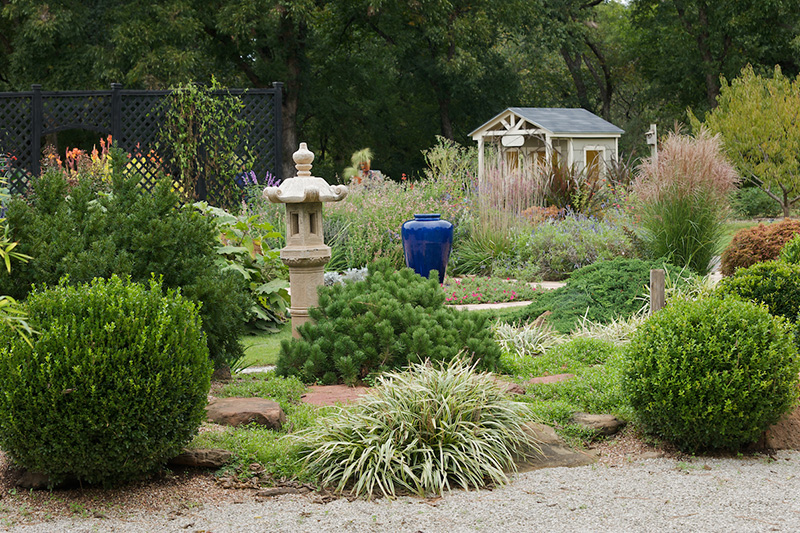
<point>564,120</point>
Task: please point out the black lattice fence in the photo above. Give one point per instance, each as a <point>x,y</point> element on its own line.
<point>134,119</point>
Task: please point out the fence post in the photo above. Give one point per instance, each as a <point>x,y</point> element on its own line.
<point>277,100</point>
<point>657,289</point>
<point>37,118</point>
<point>116,113</point>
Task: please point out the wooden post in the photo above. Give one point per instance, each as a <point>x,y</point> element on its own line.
<point>657,286</point>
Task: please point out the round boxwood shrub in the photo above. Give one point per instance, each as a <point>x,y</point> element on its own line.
<point>711,373</point>
<point>760,243</point>
<point>114,383</point>
<point>774,283</point>
<point>391,319</point>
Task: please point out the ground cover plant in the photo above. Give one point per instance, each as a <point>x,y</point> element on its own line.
<point>600,292</point>
<point>696,377</point>
<point>683,197</point>
<point>275,450</point>
<point>112,386</point>
<point>389,320</point>
<point>425,430</point>
<point>69,228</point>
<point>482,290</point>
<point>760,243</point>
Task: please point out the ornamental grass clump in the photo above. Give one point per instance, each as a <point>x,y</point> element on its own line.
<point>713,373</point>
<point>424,430</point>
<point>684,199</point>
<point>113,385</point>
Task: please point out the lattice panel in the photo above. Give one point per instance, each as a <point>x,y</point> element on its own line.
<point>91,111</point>
<point>15,139</point>
<point>259,111</point>
<point>142,116</point>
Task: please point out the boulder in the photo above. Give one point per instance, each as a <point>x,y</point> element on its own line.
<point>34,480</point>
<point>508,386</point>
<point>784,434</point>
<point>602,424</point>
<point>551,451</point>
<point>241,411</point>
<point>203,458</point>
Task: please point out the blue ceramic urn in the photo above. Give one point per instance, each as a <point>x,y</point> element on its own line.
<point>427,241</point>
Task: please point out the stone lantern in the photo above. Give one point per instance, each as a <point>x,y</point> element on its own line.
<point>305,253</point>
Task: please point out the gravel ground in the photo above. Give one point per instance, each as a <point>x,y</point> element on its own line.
<point>748,494</point>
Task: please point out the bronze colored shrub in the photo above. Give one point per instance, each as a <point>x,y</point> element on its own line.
<point>760,243</point>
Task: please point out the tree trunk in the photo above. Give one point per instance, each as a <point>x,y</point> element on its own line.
<point>444,118</point>
<point>295,50</point>
<point>574,66</point>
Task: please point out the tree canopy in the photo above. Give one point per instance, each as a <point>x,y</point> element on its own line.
<point>392,75</point>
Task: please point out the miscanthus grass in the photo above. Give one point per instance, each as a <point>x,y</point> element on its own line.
<point>423,431</point>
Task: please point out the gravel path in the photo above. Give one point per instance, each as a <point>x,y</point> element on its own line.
<point>745,494</point>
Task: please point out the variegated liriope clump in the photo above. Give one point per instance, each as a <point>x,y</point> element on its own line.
<point>424,430</point>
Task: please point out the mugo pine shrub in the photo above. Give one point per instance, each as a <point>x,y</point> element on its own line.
<point>423,431</point>
<point>387,321</point>
<point>114,385</point>
<point>711,373</point>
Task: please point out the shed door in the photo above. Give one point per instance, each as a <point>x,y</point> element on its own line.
<point>594,163</point>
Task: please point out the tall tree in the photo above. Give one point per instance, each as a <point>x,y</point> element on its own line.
<point>758,118</point>
<point>687,44</point>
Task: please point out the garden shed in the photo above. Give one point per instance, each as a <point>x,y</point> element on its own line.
<point>571,136</point>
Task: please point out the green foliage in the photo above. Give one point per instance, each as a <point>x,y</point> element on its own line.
<point>559,247</point>
<point>752,202</point>
<point>10,313</point>
<point>790,253</point>
<point>711,373</point>
<point>391,319</point>
<point>600,292</point>
<point>756,117</point>
<point>203,132</point>
<point>684,196</point>
<point>243,248</point>
<point>774,283</point>
<point>86,235</point>
<point>114,384</point>
<point>424,430</point>
<point>760,243</point>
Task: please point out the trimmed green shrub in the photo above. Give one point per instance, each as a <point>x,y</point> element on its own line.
<point>711,373</point>
<point>72,230</point>
<point>385,322</point>
<point>790,253</point>
<point>114,385</point>
<point>602,292</point>
<point>421,431</point>
<point>774,283</point>
<point>760,243</point>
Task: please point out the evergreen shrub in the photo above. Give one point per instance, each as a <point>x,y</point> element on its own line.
<point>790,253</point>
<point>760,243</point>
<point>114,384</point>
<point>70,229</point>
<point>391,319</point>
<point>712,373</point>
<point>774,283</point>
<point>601,292</point>
<point>751,202</point>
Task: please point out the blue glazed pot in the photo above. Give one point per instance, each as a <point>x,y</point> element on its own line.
<point>427,241</point>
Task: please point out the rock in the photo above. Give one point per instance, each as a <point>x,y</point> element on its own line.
<point>783,435</point>
<point>509,387</point>
<point>552,379</point>
<point>203,458</point>
<point>240,411</point>
<point>552,450</point>
<point>333,394</point>
<point>221,374</point>
<point>34,480</point>
<point>277,491</point>
<point>541,320</point>
<point>602,424</point>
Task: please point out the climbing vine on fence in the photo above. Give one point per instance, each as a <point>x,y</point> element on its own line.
<point>203,130</point>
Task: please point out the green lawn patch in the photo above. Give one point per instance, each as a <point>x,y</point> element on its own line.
<point>262,349</point>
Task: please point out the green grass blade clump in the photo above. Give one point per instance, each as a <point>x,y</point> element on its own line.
<point>424,431</point>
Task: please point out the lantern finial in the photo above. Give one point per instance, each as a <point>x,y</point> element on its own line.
<point>303,158</point>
